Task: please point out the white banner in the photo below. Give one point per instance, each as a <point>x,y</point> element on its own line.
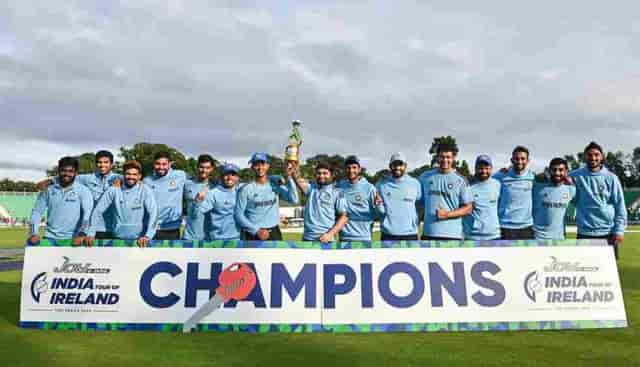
<point>324,287</point>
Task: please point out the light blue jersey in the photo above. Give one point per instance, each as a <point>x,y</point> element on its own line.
<point>448,191</point>
<point>98,184</point>
<point>483,222</point>
<point>324,205</point>
<point>515,207</point>
<point>218,208</point>
<point>550,202</point>
<point>195,228</point>
<point>168,191</point>
<point>134,208</point>
<point>600,207</point>
<point>258,206</point>
<point>361,209</point>
<point>68,210</point>
<point>399,216</point>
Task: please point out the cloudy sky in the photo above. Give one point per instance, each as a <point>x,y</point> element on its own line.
<point>227,77</point>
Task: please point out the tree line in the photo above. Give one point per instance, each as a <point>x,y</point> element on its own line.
<point>625,165</point>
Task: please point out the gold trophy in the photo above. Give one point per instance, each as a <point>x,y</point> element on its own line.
<point>292,151</point>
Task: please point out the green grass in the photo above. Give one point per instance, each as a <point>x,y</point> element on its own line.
<point>614,347</point>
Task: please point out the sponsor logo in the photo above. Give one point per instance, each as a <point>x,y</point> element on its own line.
<point>39,286</point>
<point>69,267</point>
<point>566,282</point>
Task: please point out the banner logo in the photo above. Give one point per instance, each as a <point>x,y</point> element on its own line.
<point>39,286</point>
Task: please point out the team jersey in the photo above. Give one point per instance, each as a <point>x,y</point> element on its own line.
<point>68,210</point>
<point>218,208</point>
<point>324,205</point>
<point>515,207</point>
<point>448,191</point>
<point>361,209</point>
<point>483,222</point>
<point>134,208</point>
<point>98,184</point>
<point>168,191</point>
<point>399,216</point>
<point>195,228</point>
<point>257,205</point>
<point>550,202</point>
<point>600,207</point>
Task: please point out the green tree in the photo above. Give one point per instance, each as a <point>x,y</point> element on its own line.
<point>144,152</point>
<point>87,164</point>
<point>17,186</point>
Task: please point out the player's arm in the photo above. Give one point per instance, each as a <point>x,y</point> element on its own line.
<point>288,191</point>
<point>466,208</point>
<point>620,216</point>
<point>378,202</point>
<point>302,184</point>
<point>86,204</point>
<point>98,210</point>
<point>151,208</point>
<point>239,213</point>
<point>341,210</point>
<point>36,214</point>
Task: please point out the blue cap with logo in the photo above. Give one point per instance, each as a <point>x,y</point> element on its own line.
<point>230,168</point>
<point>259,157</point>
<point>484,159</point>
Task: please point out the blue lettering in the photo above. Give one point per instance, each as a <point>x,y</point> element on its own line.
<point>331,289</point>
<point>384,285</point>
<point>145,285</point>
<point>195,284</point>
<point>498,296</point>
<point>456,288</point>
<point>306,279</point>
<point>366,285</point>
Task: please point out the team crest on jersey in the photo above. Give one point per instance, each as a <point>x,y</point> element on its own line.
<point>358,198</point>
<point>601,187</point>
<point>388,193</point>
<point>72,194</point>
<point>565,196</point>
<point>173,184</point>
<point>450,186</point>
<point>325,196</point>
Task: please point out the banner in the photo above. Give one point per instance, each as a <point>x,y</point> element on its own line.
<point>339,287</point>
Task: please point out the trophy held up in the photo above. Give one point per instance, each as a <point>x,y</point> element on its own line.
<point>292,151</point>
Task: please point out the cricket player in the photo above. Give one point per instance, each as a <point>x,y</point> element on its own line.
<point>398,195</point>
<point>98,182</point>
<point>133,204</point>
<point>257,206</point>
<point>551,197</point>
<point>483,222</point>
<point>195,191</point>
<point>325,212</point>
<point>515,207</point>
<point>219,205</point>
<point>360,196</point>
<point>600,208</point>
<point>446,198</point>
<point>67,203</point>
<point>167,185</point>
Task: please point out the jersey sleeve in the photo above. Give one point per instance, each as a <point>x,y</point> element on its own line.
<point>617,200</point>
<point>38,210</point>
<point>101,206</point>
<point>86,204</point>
<point>341,203</point>
<point>466,197</point>
<point>288,191</point>
<point>151,207</point>
<point>240,213</point>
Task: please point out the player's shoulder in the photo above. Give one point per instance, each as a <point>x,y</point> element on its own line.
<point>577,172</point>
<point>179,174</point>
<point>428,174</point>
<point>460,177</point>
<point>82,189</point>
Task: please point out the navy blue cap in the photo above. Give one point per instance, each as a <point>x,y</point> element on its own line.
<point>352,159</point>
<point>230,168</point>
<point>483,158</point>
<point>259,157</point>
